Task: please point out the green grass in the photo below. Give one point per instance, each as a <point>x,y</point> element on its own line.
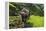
<point>37,21</point>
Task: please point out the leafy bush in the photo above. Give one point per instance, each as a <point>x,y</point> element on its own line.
<point>37,21</point>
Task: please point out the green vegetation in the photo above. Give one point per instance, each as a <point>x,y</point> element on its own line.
<point>35,21</point>
<point>35,18</point>
<point>15,21</point>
